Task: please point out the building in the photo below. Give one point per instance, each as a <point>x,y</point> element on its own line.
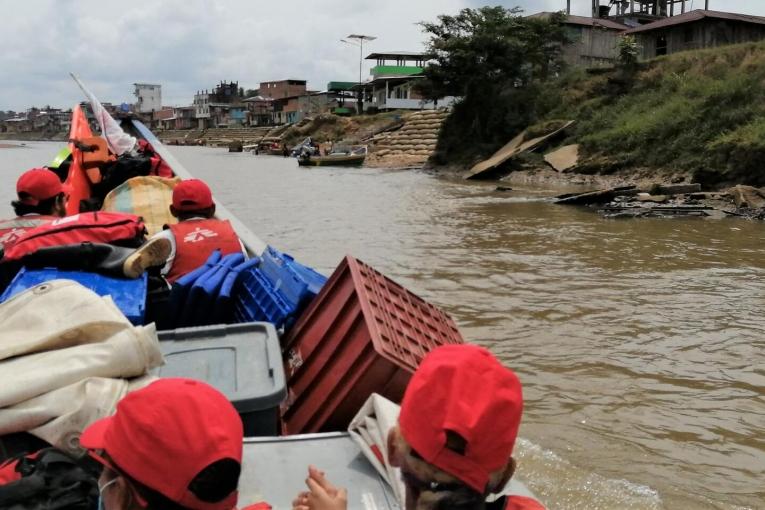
<point>184,117</point>
<point>593,41</point>
<point>202,109</point>
<point>260,110</point>
<point>149,97</point>
<point>164,118</point>
<point>282,89</point>
<point>391,84</point>
<point>696,30</point>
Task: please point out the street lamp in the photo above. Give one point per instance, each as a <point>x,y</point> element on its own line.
<point>359,41</point>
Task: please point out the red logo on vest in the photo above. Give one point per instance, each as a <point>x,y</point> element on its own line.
<point>11,236</point>
<point>199,234</point>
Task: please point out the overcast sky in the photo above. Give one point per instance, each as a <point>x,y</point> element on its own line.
<point>186,45</point>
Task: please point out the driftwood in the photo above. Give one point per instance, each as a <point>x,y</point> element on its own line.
<point>602,196</point>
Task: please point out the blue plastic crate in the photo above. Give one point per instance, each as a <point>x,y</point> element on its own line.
<point>256,300</point>
<point>297,283</point>
<point>128,294</point>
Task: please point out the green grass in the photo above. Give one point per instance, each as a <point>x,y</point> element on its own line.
<point>700,111</point>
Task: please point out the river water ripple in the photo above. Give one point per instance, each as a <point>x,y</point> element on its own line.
<point>639,342</point>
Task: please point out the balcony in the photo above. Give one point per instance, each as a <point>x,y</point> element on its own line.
<point>379,71</point>
<point>410,104</point>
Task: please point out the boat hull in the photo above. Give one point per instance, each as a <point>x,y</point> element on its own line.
<point>332,161</point>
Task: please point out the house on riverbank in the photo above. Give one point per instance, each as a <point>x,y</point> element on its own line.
<point>593,41</point>
<point>391,85</point>
<point>697,29</point>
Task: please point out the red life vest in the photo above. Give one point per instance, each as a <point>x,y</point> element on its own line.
<point>12,230</point>
<point>522,503</point>
<point>195,240</point>
<point>158,165</point>
<point>93,227</point>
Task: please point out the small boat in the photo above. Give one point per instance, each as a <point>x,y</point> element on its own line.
<point>354,157</point>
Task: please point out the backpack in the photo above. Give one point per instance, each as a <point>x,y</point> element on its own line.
<point>50,480</point>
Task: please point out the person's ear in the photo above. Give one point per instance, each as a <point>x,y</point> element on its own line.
<point>394,453</point>
<point>507,474</point>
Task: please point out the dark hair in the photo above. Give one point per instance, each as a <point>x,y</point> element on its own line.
<point>213,484</point>
<point>207,212</point>
<point>43,207</point>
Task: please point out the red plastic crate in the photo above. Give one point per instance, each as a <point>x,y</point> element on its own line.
<point>363,333</point>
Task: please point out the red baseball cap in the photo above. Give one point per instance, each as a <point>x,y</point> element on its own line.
<point>38,184</point>
<point>465,390</point>
<point>192,195</point>
<point>165,434</point>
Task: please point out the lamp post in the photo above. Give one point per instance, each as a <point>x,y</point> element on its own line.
<point>359,41</point>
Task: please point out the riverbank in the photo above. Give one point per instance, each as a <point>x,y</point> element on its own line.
<point>689,117</point>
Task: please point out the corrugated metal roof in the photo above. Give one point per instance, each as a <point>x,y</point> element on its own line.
<point>585,21</point>
<point>403,55</point>
<point>696,15</point>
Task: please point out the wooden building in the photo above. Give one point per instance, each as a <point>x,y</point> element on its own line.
<point>696,30</point>
<point>593,41</point>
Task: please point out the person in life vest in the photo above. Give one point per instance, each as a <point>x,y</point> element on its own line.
<point>198,233</point>
<point>41,199</point>
<point>454,440</point>
<point>174,445</point>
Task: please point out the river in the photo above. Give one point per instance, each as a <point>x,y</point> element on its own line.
<point>640,343</point>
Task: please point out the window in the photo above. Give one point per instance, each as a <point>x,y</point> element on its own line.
<point>661,45</point>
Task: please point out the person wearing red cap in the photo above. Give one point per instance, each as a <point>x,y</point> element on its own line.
<point>197,233</point>
<point>175,444</point>
<point>454,440</point>
<point>41,198</point>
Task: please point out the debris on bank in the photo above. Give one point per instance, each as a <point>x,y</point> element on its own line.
<point>670,201</point>
<point>564,159</point>
<point>524,142</point>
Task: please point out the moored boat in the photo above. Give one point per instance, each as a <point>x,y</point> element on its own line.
<point>354,157</point>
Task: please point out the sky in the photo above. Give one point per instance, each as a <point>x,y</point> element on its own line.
<point>189,45</point>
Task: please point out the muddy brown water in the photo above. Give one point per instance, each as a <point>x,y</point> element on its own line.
<point>640,343</point>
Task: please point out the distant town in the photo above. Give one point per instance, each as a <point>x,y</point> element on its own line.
<point>659,28</point>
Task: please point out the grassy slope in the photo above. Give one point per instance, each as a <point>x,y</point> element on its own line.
<point>701,112</point>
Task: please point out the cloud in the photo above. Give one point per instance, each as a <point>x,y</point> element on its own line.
<point>187,45</point>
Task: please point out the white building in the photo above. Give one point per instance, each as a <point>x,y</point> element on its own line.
<point>149,97</point>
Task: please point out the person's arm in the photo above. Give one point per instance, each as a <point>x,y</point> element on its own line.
<point>321,495</point>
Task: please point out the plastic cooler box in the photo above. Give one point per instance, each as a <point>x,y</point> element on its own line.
<point>363,333</point>
<point>128,294</point>
<point>243,361</point>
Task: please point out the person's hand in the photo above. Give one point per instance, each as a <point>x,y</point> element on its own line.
<point>322,495</point>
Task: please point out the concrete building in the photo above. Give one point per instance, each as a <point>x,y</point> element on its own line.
<point>282,89</point>
<point>696,30</point>
<point>148,97</point>
<point>390,86</point>
<point>593,41</point>
<point>260,110</point>
<point>202,109</point>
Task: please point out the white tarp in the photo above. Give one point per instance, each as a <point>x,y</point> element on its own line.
<point>369,428</point>
<point>66,356</point>
<point>119,141</point>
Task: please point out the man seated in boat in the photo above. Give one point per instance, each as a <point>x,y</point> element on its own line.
<point>454,440</point>
<point>197,233</point>
<point>175,444</point>
<point>41,199</point>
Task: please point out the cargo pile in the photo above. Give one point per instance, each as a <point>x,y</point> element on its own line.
<point>410,145</point>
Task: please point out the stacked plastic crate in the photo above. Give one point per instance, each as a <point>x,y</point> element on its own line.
<point>276,290</point>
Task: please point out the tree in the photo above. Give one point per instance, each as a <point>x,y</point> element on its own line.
<point>492,58</point>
